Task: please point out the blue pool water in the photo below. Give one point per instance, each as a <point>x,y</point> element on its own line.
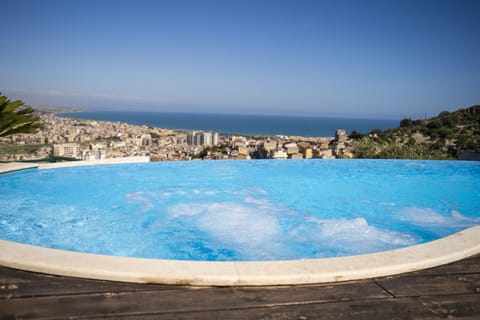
<point>240,210</point>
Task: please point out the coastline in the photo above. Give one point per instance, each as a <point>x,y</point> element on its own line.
<point>66,139</point>
<point>237,124</point>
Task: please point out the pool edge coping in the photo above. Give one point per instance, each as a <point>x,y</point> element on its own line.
<point>7,167</point>
<point>210,273</point>
<point>16,166</point>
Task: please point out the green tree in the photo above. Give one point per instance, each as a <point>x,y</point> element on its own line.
<point>407,122</point>
<point>365,148</point>
<point>356,135</point>
<point>15,118</point>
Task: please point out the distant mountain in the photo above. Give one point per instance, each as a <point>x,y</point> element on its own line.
<point>55,110</point>
<point>445,136</point>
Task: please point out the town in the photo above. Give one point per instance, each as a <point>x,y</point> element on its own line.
<point>63,139</point>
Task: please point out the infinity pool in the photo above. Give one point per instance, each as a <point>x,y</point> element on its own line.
<point>240,210</point>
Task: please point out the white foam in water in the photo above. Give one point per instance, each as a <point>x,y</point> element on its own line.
<point>142,198</point>
<point>185,210</point>
<point>421,216</point>
<point>350,236</point>
<point>253,231</point>
<point>429,218</point>
<point>254,228</point>
<point>239,224</point>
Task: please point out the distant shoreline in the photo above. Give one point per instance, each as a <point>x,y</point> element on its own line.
<point>250,125</point>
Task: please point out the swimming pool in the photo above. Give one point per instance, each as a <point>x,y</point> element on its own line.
<point>240,210</point>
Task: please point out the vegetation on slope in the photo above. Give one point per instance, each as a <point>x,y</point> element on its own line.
<point>442,137</point>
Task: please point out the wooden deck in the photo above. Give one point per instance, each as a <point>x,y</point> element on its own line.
<point>447,292</point>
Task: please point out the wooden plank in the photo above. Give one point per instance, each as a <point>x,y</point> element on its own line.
<point>391,309</point>
<point>183,300</point>
<point>312,293</point>
<point>17,284</point>
<point>460,307</point>
<point>469,265</point>
<point>431,285</point>
<point>454,306</point>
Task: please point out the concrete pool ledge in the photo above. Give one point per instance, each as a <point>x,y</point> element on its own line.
<point>16,166</point>
<point>68,164</point>
<point>204,273</point>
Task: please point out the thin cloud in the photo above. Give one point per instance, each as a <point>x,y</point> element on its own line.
<point>50,92</point>
<point>60,93</point>
<point>56,93</point>
<point>115,96</point>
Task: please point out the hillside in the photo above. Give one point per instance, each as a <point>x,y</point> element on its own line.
<point>442,137</point>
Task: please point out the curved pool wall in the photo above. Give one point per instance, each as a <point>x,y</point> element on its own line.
<point>208,273</point>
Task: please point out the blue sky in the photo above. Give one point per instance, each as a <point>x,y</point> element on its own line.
<point>380,59</point>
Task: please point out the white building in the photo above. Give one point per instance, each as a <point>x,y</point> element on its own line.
<point>279,153</point>
<point>95,151</point>
<point>69,150</point>
<point>202,138</point>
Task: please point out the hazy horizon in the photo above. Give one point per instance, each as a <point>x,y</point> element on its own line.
<point>232,113</point>
<point>344,59</point>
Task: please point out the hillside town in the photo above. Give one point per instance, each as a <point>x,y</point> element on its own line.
<point>63,139</point>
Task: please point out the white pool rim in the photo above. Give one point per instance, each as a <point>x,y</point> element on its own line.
<point>232,273</point>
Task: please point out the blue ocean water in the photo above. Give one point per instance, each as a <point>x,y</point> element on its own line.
<point>241,124</point>
<point>240,210</point>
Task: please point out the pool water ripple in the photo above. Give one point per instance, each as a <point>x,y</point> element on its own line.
<point>240,210</point>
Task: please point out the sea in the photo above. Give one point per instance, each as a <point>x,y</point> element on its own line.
<point>236,124</point>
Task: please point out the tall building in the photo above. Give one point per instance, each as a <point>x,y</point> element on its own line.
<point>206,138</point>
<point>340,136</point>
<point>339,143</point>
<point>215,138</point>
<point>191,138</point>
<point>202,138</point>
